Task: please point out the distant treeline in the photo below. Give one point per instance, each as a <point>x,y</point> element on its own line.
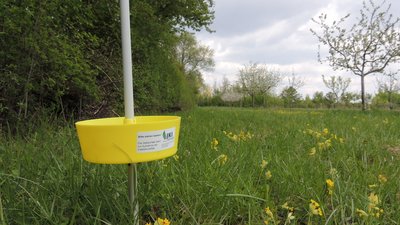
<point>63,58</point>
<point>293,99</point>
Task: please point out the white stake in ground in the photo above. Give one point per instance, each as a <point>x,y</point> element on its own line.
<point>128,140</point>
<point>128,100</point>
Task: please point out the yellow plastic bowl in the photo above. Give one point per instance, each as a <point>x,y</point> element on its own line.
<point>119,141</point>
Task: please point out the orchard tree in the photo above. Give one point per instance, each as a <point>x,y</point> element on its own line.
<point>337,85</point>
<point>257,79</point>
<point>367,47</point>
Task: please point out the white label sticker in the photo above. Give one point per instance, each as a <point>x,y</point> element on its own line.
<point>154,141</point>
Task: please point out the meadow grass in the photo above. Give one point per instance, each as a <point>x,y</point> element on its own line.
<point>234,166</point>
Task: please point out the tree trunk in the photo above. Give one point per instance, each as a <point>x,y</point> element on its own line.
<point>390,99</point>
<point>252,100</point>
<point>363,103</point>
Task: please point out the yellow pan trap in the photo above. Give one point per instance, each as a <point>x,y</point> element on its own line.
<point>118,141</point>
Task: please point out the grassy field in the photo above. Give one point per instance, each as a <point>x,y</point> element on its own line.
<point>234,166</point>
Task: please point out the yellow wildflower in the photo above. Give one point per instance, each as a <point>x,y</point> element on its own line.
<point>341,140</point>
<point>372,185</point>
<point>269,213</point>
<point>268,175</point>
<point>162,222</point>
<point>382,178</point>
<point>148,224</point>
<point>313,150</point>
<point>373,199</point>
<point>214,144</point>
<point>264,164</point>
<point>373,208</point>
<point>222,159</point>
<point>315,208</point>
<point>325,131</point>
<point>287,207</point>
<point>330,185</point>
<point>361,213</point>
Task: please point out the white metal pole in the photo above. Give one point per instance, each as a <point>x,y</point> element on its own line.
<point>128,99</point>
<point>127,59</point>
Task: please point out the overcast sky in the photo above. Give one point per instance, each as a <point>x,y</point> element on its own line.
<point>277,33</point>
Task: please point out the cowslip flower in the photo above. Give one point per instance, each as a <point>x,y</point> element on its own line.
<point>330,185</point>
<point>214,144</point>
<point>222,159</point>
<point>315,208</point>
<point>269,212</point>
<point>270,216</point>
<point>382,178</point>
<point>325,131</point>
<point>162,222</point>
<point>361,213</point>
<point>313,150</point>
<point>373,208</point>
<point>268,175</point>
<point>264,164</point>
<point>373,200</point>
<point>287,207</point>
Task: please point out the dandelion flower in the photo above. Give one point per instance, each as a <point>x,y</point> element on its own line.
<point>315,208</point>
<point>268,175</point>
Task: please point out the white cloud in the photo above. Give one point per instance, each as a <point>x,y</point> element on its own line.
<point>276,33</point>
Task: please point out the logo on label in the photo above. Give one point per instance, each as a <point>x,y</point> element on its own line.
<point>168,135</point>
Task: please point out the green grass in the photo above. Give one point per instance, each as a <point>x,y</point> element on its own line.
<point>44,180</point>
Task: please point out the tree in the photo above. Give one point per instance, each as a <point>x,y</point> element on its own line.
<point>337,85</point>
<point>256,79</point>
<point>368,47</point>
<point>290,96</point>
<point>390,85</point>
<point>318,99</point>
<point>193,56</point>
<point>64,57</point>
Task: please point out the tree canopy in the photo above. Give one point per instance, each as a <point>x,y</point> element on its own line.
<point>367,47</point>
<point>64,57</point>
